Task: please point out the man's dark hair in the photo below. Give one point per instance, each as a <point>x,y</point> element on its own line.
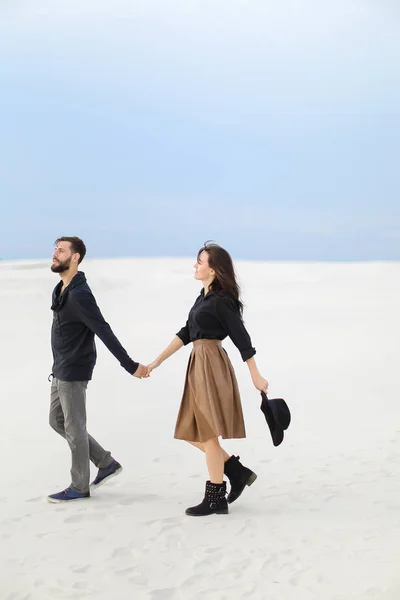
<point>77,245</point>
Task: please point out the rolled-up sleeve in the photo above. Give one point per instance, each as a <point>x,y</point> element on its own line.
<point>230,319</point>
<point>184,334</point>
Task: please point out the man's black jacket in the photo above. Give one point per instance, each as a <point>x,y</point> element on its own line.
<point>76,320</point>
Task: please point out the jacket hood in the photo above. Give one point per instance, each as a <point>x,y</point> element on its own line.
<point>58,299</point>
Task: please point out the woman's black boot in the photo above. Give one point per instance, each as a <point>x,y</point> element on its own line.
<point>214,501</point>
<point>239,476</point>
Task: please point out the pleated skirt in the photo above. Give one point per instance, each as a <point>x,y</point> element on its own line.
<point>211,404</point>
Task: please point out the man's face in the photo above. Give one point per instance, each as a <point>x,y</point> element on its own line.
<point>62,257</point>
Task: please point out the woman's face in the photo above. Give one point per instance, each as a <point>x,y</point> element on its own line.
<point>202,271</point>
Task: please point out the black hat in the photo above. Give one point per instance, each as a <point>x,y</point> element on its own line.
<point>277,415</point>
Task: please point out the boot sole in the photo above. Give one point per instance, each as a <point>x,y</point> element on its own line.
<point>218,512</point>
<point>97,485</point>
<point>249,482</point>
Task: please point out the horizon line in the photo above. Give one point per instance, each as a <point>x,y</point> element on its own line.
<point>172,257</point>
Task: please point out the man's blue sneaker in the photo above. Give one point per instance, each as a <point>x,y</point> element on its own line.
<point>67,495</point>
<point>105,474</point>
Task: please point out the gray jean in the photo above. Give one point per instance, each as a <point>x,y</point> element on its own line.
<point>68,418</point>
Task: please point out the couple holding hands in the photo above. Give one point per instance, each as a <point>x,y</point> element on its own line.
<point>211,406</point>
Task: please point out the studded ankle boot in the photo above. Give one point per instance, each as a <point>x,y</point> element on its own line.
<point>214,501</point>
<point>239,476</point>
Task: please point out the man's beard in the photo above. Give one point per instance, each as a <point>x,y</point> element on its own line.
<point>61,266</point>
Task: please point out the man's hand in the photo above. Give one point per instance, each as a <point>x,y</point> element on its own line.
<point>140,372</point>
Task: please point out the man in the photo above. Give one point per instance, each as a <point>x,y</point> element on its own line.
<point>76,320</point>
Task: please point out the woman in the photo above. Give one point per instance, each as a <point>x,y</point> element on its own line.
<point>211,405</point>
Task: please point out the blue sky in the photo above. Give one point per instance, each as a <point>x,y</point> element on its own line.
<point>147,127</point>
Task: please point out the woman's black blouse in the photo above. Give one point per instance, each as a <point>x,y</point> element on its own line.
<point>214,317</point>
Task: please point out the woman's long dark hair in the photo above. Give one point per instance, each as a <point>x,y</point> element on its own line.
<point>225,278</point>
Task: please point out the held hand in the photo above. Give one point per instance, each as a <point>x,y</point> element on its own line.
<point>260,383</point>
<point>150,367</point>
<point>140,372</point>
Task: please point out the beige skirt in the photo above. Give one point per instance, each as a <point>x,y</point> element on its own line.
<point>211,405</point>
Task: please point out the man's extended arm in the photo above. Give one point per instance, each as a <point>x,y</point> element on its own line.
<point>90,315</point>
